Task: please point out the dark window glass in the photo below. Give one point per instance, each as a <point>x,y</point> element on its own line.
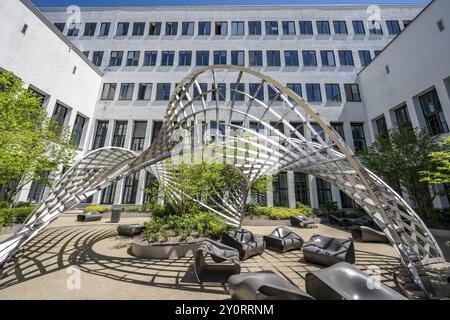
<point>202,58</point>
<point>255,58</point>
<point>219,93</point>
<point>377,52</point>
<point>309,58</point>
<point>339,128</point>
<point>203,90</point>
<point>157,125</point>
<point>108,194</point>
<point>133,58</point>
<point>301,187</point>
<point>89,29</point>
<point>138,28</point>
<point>288,27</point>
<point>280,190</point>
<point>185,58</point>
<point>346,201</point>
<point>220,57</point>
<point>291,58</point>
<point>375,27</point>
<point>126,91</point>
<point>150,58</point>
<point>352,93</point>
<point>145,91</point>
<point>432,112</point>
<point>97,58</point>
<point>323,27</point>
<point>254,27</point>
<point>359,138</point>
<point>327,57</point>
<point>78,129</point>
<point>346,58</point>
<point>296,87</point>
<point>238,58</point>
<point>256,90</point>
<point>122,28</point>
<point>235,91</point>
<point>393,27</point>
<point>273,94</point>
<point>130,189</point>
<point>365,57</point>
<point>137,142</point>
<point>273,58</point>
<point>237,28</point>
<point>187,28</point>
<point>60,114</point>
<point>167,58</point>
<point>154,29</point>
<point>340,27</point>
<point>298,130</point>
<point>100,134</point>
<point>358,27</point>
<point>382,128</point>
<point>306,27</point>
<point>333,92</point>
<point>204,28</point>
<point>60,26</point>
<point>73,30</point>
<point>115,59</point>
<point>313,93</point>
<point>271,27</point>
<point>318,129</point>
<point>120,132</point>
<point>402,117</point>
<point>150,182</point>
<point>171,28</point>
<point>104,29</point>
<point>163,91</point>
<point>109,91</point>
<point>323,191</point>
<point>220,28</point>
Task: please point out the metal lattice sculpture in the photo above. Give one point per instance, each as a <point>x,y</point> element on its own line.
<point>310,146</point>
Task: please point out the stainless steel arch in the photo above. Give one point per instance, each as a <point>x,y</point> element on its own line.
<point>315,149</point>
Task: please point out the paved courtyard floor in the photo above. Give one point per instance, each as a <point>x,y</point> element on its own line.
<point>45,268</point>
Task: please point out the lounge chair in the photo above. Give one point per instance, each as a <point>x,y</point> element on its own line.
<point>264,286</point>
<point>89,216</point>
<point>282,239</point>
<point>302,222</point>
<point>328,251</point>
<point>343,281</point>
<point>219,252</point>
<point>332,219</point>
<point>365,221</point>
<point>366,234</point>
<point>130,230</point>
<point>245,242</point>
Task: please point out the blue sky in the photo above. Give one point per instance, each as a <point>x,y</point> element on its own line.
<point>63,3</point>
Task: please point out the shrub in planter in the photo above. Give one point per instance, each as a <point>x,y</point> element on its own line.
<point>11,216</point>
<point>282,213</point>
<point>133,209</point>
<point>99,209</point>
<point>262,211</point>
<point>250,208</point>
<point>305,210</point>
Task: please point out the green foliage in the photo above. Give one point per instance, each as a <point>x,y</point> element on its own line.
<point>250,208</point>
<point>282,213</point>
<point>134,209</point>
<point>260,185</point>
<point>15,215</point>
<point>99,209</point>
<point>399,157</point>
<point>441,160</point>
<point>305,210</point>
<point>437,218</point>
<point>329,208</point>
<point>32,145</point>
<point>278,213</point>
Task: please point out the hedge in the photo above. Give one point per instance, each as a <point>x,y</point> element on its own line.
<point>11,216</point>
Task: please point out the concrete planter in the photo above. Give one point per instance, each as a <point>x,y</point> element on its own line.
<point>142,249</point>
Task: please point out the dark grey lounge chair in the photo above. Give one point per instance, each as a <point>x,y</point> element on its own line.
<point>366,234</point>
<point>365,221</point>
<point>302,222</point>
<point>343,281</point>
<point>332,219</point>
<point>264,286</point>
<point>130,230</point>
<point>328,251</point>
<point>282,239</point>
<point>219,252</point>
<point>245,242</point>
<point>89,216</point>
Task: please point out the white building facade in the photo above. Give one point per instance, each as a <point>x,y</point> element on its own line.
<point>318,51</point>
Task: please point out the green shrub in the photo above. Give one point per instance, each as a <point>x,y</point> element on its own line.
<point>95,207</point>
<point>250,208</point>
<point>210,225</point>
<point>262,211</point>
<point>133,209</point>
<point>447,243</point>
<point>437,218</point>
<point>160,211</point>
<point>11,216</point>
<point>305,210</point>
<point>282,213</point>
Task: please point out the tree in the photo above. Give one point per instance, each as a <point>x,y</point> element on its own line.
<point>399,157</point>
<point>32,145</point>
<point>441,161</point>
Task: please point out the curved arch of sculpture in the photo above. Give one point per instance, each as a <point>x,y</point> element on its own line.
<point>311,146</point>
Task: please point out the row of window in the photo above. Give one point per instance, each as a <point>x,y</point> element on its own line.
<point>220,28</point>
<point>237,93</point>
<point>255,58</point>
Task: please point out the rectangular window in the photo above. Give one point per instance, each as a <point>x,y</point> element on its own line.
<point>187,28</point>
<point>359,138</point>
<point>381,124</point>
<point>185,58</point>
<point>100,134</point>
<point>78,129</point>
<point>171,28</point>
<point>375,27</point>
<point>313,93</point>
<point>256,90</point>
<point>306,27</point>
<point>74,29</point>
<point>377,52</point>
<point>402,117</point>
<point>254,28</point>
<point>237,58</point>
<point>60,114</point>
<point>309,58</point>
<point>60,26</point>
<point>120,132</point>
<point>323,27</point>
<point>327,57</point>
<point>298,130</point>
<point>323,191</point>
<point>346,201</point>
<point>432,112</point>
<point>97,58</point>
<point>365,57</point>
<point>89,29</point>
<point>138,28</point>
<point>203,92</point>
<point>115,59</point>
<point>145,91</point>
<point>137,142</point>
<point>358,27</point>
<point>150,58</point>
<point>346,58</point>
<point>204,28</point>
<point>108,194</point>
<point>318,129</point>
<point>352,93</point>
<point>291,58</point>
<point>220,28</point>
<point>271,27</point>
<point>157,125</point>
<point>288,27</point>
<point>235,91</point>
<point>296,87</point>
<point>133,58</point>
<point>255,58</point>
<point>301,187</point>
<point>150,182</point>
<point>340,27</point>
<point>237,28</point>
<point>126,91</point>
<point>86,54</point>
<point>393,27</point>
<point>220,57</point>
<point>273,94</point>
<point>109,91</point>
<point>167,58</point>
<point>163,91</point>
<point>130,188</point>
<point>333,92</point>
<point>219,93</point>
<point>104,29</point>
<point>202,58</point>
<point>273,58</point>
<point>122,28</point>
<point>154,29</point>
<point>280,190</point>
<point>339,128</point>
